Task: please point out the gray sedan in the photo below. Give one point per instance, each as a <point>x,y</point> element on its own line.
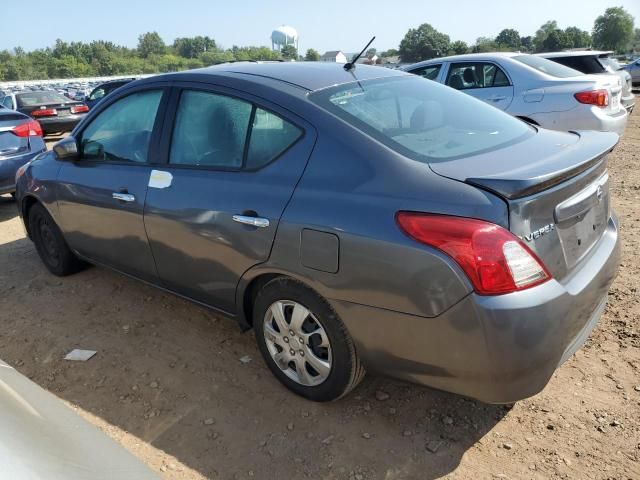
<point>355,219</point>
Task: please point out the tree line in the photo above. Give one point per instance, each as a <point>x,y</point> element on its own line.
<point>614,30</point>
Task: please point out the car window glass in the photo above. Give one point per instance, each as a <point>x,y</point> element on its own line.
<point>270,136</point>
<point>425,121</point>
<point>210,130</point>
<point>122,132</point>
<point>463,76</point>
<point>546,66</point>
<point>7,102</point>
<point>429,72</point>
<point>99,93</point>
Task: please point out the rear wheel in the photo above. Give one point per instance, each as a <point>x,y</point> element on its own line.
<point>303,341</point>
<point>50,244</point>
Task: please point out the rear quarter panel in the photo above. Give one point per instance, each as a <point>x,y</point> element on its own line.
<point>352,188</point>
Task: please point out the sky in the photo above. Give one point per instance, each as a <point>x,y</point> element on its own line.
<point>323,25</point>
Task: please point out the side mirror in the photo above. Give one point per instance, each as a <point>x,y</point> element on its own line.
<point>67,149</point>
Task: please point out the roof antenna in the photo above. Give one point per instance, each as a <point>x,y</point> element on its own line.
<point>352,64</point>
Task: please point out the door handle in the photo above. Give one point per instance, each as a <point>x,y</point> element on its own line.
<point>123,197</point>
<point>497,98</point>
<point>253,221</point>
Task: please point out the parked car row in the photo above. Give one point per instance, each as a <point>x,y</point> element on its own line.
<point>356,217</point>
<point>535,89</point>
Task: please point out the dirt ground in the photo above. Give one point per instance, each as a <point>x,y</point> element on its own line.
<point>168,384</point>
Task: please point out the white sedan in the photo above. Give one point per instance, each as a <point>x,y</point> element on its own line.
<point>534,89</point>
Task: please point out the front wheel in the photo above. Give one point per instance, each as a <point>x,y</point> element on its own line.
<point>304,343</point>
<point>50,244</point>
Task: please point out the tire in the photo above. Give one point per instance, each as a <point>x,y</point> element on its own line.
<point>320,340</point>
<point>51,245</point>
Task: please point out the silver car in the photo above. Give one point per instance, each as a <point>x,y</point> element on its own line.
<point>361,219</point>
<point>597,62</point>
<point>534,89</point>
<point>41,438</point>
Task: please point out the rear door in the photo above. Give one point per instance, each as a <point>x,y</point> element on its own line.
<point>484,80</point>
<point>212,210</point>
<point>101,196</point>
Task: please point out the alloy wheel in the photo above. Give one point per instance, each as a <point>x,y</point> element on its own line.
<point>297,342</point>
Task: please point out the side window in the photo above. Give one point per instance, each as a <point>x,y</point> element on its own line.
<point>96,94</point>
<point>463,76</point>
<point>270,136</point>
<point>7,102</point>
<point>122,132</point>
<point>429,72</point>
<point>210,130</point>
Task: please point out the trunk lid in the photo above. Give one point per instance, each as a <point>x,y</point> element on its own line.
<point>556,186</point>
<point>11,144</point>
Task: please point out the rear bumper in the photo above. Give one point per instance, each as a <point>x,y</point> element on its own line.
<point>584,117</point>
<point>9,167</point>
<point>60,124</point>
<point>497,349</point>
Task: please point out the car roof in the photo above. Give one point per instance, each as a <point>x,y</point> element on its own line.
<point>468,57</point>
<point>307,75</point>
<point>579,53</point>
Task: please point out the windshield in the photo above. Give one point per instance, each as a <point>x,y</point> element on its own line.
<point>39,98</point>
<point>547,66</point>
<point>422,119</point>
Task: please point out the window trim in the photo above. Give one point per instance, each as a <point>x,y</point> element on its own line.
<point>155,132</point>
<point>497,65</point>
<point>172,115</point>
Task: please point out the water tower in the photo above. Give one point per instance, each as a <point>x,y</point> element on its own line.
<point>282,36</point>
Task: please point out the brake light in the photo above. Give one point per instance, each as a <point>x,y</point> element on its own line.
<point>45,112</point>
<point>79,109</point>
<point>594,97</point>
<point>494,259</point>
<point>28,129</point>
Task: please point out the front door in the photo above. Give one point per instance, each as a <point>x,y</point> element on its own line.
<point>483,80</point>
<point>213,209</point>
<point>101,196</point>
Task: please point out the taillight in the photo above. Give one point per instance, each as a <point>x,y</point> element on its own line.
<point>45,112</point>
<point>495,260</point>
<point>79,109</point>
<point>28,129</point>
<point>594,97</point>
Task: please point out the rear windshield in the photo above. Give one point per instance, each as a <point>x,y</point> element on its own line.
<point>582,63</point>
<point>547,66</point>
<point>40,98</point>
<point>422,119</point>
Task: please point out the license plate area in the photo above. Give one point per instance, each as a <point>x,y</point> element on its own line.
<point>64,112</point>
<point>582,219</point>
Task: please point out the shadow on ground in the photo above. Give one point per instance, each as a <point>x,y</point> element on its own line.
<point>169,373</point>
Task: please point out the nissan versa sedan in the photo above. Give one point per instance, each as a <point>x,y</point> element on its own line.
<point>534,89</point>
<point>356,219</point>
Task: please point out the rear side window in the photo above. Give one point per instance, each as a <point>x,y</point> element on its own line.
<point>218,131</point>
<point>7,102</point>
<point>422,120</point>
<point>122,132</point>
